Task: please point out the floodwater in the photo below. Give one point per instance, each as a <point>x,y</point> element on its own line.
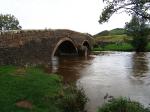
<point>114,73</point>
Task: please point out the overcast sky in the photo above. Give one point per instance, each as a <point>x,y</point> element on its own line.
<point>78,15</point>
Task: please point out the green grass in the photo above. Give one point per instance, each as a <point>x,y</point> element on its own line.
<point>44,92</point>
<point>148,47</point>
<point>116,40</point>
<point>123,105</point>
<point>115,47</point>
<point>116,31</point>
<point>113,38</point>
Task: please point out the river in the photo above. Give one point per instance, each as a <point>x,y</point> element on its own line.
<point>114,73</point>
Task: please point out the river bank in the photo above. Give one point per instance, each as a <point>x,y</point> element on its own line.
<point>126,47</point>
<point>33,90</point>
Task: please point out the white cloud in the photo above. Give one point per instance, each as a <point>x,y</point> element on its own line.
<point>79,15</point>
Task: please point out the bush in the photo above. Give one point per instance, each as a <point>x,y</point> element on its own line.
<point>140,43</point>
<point>123,105</point>
<point>119,47</point>
<point>74,99</point>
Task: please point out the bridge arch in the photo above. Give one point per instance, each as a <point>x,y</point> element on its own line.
<point>86,44</point>
<point>65,46</point>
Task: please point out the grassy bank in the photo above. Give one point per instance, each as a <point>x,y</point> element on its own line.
<point>32,90</point>
<point>123,105</point>
<point>114,47</point>
<point>113,38</point>
<point>118,47</point>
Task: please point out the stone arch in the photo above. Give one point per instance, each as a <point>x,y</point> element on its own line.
<point>65,46</point>
<point>86,44</point>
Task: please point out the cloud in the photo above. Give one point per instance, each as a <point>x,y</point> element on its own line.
<point>79,15</point>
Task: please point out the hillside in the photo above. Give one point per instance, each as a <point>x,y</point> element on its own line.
<point>116,31</point>
<point>114,35</point>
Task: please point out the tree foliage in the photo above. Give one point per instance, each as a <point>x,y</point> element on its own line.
<point>9,22</point>
<point>140,11</point>
<point>139,31</point>
<point>140,8</point>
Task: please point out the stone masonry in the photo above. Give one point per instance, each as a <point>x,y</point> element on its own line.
<point>26,47</point>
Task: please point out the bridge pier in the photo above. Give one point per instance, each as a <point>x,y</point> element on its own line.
<point>83,51</point>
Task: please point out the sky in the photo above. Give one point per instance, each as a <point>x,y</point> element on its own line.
<point>77,15</point>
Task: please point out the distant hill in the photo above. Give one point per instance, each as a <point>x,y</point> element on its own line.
<point>116,31</point>
<point>114,35</point>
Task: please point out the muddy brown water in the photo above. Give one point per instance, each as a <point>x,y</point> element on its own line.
<point>114,73</point>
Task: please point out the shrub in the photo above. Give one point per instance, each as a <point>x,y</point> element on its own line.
<point>74,99</point>
<point>123,105</point>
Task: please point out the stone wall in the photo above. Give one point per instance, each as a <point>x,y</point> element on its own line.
<point>34,46</point>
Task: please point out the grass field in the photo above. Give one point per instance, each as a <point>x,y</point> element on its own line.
<point>112,38</point>
<point>118,47</point>
<point>115,47</point>
<point>115,42</point>
<point>33,90</point>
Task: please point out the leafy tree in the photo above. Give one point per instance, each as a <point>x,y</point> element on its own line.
<point>9,22</point>
<point>140,8</point>
<point>139,31</point>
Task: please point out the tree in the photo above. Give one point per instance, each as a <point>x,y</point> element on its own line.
<point>139,31</point>
<point>140,8</point>
<point>9,22</point>
<point>140,11</point>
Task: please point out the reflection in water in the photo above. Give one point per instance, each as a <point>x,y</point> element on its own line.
<point>139,77</point>
<point>54,64</point>
<point>114,73</point>
<point>69,67</point>
<point>140,64</point>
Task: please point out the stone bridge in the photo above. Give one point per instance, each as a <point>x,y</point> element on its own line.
<point>39,46</point>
